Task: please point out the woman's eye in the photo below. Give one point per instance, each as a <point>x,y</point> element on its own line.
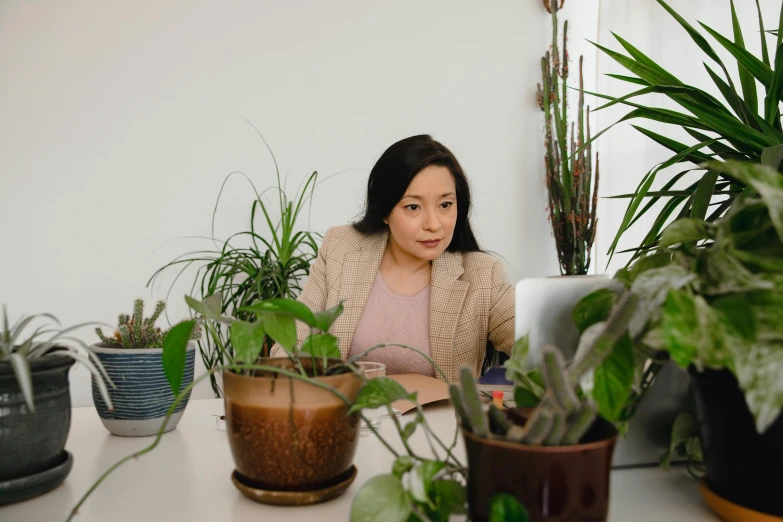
<point>446,204</point>
<point>412,207</point>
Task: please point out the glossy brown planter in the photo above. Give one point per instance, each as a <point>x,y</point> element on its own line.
<point>290,435</point>
<point>554,483</point>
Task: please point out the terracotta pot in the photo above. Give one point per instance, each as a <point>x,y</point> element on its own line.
<point>743,466</point>
<point>286,434</point>
<point>554,483</point>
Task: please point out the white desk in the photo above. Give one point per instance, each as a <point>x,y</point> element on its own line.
<point>187,478</point>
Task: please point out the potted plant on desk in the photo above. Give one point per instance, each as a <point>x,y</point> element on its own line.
<point>133,358</point>
<point>713,295</point>
<point>35,400</point>
<point>560,447</point>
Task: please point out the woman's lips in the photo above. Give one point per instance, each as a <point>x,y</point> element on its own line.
<point>430,244</point>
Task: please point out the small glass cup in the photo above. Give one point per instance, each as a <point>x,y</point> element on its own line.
<point>371,370</point>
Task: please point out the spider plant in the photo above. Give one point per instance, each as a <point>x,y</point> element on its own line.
<point>272,263</point>
<point>738,128</point>
<point>47,339</point>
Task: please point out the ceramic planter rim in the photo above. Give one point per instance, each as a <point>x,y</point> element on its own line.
<point>531,448</point>
<point>326,379</point>
<point>101,348</point>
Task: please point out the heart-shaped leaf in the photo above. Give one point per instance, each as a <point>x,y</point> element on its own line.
<point>381,499</point>
<point>175,346</point>
<point>379,392</point>
<point>283,306</point>
<point>324,320</point>
<point>247,340</point>
<point>506,508</point>
<point>281,328</point>
<point>322,345</point>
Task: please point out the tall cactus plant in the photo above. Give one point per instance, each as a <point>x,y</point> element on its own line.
<point>571,179</point>
<point>562,418</point>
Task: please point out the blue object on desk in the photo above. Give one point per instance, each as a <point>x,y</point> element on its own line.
<point>495,375</point>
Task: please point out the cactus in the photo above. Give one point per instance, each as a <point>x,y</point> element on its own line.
<point>561,418</point>
<point>572,184</point>
<point>135,331</point>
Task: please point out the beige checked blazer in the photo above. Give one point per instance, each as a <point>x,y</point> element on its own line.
<point>470,299</point>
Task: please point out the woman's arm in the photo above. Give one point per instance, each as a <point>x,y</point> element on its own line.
<point>500,326</point>
<point>313,295</point>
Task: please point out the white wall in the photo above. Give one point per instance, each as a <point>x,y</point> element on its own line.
<point>121,119</point>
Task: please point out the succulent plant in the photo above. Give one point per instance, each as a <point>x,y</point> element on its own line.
<point>562,417</point>
<point>137,332</point>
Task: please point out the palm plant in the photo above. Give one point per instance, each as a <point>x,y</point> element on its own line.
<point>47,339</point>
<point>572,182</point>
<point>265,268</point>
<point>739,128</point>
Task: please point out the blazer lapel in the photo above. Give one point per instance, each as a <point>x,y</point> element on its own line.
<point>360,268</point>
<point>447,295</point>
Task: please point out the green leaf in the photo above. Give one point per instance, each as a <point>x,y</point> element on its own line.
<point>764,50</point>
<point>703,195</point>
<point>746,79</point>
<point>22,372</point>
<point>737,314</point>
<point>427,471</point>
<point>402,465</point>
<point>683,231</point>
<point>175,346</point>
<point>324,320</point>
<point>613,380</point>
<point>771,111</point>
<point>524,398</point>
<point>593,307</point>
<point>766,181</point>
<point>378,392</point>
<point>210,308</point>
<point>322,345</point>
<point>677,147</point>
<point>381,499</point>
<point>450,498</point>
<point>506,508</point>
<point>247,340</point>
<point>772,156</point>
<point>752,64</point>
<point>281,328</point>
<point>410,427</point>
<point>683,429</point>
<point>283,306</point>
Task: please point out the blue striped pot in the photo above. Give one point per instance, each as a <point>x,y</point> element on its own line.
<point>143,395</point>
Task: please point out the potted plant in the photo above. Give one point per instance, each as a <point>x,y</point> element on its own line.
<point>292,443</point>
<point>35,399</point>
<point>711,297</point>
<point>560,446</point>
<point>133,358</point>
<point>262,262</point>
<point>734,126</point>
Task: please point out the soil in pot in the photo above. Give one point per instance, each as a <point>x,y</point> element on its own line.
<point>743,466</point>
<point>290,435</point>
<point>554,483</point>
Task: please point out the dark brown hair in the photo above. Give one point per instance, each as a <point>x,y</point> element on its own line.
<point>393,173</point>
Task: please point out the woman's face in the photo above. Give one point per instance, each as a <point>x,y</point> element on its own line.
<point>422,223</point>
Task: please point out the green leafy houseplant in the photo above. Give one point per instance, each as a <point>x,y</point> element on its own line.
<point>266,267</point>
<point>711,297</point>
<point>134,331</point>
<point>739,128</point>
<point>571,180</point>
<point>418,488</point>
<point>47,339</point>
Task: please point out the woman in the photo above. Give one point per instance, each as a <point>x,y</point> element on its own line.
<point>411,272</point>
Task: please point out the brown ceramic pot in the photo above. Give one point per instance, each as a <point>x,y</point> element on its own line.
<point>289,435</point>
<point>554,483</point>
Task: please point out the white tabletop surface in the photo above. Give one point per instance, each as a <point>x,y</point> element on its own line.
<point>187,478</point>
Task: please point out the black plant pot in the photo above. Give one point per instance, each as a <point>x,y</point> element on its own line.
<point>743,467</point>
<point>34,442</point>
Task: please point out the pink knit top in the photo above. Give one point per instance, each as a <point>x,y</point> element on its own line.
<point>390,317</point>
